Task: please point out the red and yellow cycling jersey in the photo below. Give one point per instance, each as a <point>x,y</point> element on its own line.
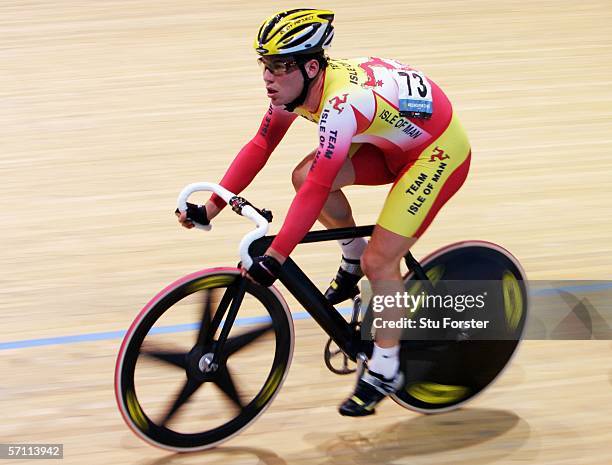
<point>360,104</point>
<point>359,117</point>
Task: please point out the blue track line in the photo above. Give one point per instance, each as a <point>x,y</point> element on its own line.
<point>109,335</point>
<point>73,339</point>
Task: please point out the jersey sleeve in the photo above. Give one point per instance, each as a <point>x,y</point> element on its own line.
<point>337,126</point>
<point>254,155</point>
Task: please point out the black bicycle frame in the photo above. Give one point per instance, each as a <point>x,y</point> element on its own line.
<point>314,302</point>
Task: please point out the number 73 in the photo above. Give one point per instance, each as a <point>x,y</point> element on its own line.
<point>415,79</point>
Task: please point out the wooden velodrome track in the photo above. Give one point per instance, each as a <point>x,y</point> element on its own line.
<point>108,108</point>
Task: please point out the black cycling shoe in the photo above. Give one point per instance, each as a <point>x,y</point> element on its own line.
<point>344,285</point>
<point>371,389</point>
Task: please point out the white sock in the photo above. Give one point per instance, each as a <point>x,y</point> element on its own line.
<point>385,361</point>
<point>353,248</point>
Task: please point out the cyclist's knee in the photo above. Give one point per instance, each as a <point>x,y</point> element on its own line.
<point>378,266</point>
<point>300,172</point>
<point>297,178</point>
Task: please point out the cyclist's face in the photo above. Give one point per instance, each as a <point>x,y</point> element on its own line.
<point>283,80</point>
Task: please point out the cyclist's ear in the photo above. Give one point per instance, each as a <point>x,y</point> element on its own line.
<point>312,67</point>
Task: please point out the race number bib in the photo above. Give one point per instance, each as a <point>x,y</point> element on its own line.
<point>415,98</point>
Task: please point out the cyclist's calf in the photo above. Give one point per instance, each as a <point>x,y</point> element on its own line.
<point>381,259</point>
<point>379,266</point>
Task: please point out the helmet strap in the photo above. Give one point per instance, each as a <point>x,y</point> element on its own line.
<point>300,99</point>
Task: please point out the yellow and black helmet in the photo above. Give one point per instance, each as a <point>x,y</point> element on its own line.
<point>295,32</point>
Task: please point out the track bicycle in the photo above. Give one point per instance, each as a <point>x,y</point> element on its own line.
<point>223,371</point>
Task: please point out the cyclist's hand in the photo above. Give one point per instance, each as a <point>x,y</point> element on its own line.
<point>264,270</point>
<point>194,213</point>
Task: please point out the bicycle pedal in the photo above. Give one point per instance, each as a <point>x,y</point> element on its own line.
<point>337,361</point>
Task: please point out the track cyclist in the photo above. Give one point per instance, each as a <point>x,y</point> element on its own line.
<point>379,122</point>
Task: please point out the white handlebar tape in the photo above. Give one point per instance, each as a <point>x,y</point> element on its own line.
<point>247,211</point>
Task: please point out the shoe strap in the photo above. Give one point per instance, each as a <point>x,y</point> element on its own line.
<point>352,266</point>
<point>380,383</point>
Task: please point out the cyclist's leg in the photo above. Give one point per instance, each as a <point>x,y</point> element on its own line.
<point>381,265</point>
<point>414,200</point>
<point>365,166</point>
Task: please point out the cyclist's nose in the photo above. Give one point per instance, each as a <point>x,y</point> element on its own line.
<point>268,77</point>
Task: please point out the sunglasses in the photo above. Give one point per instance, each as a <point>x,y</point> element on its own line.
<point>276,66</point>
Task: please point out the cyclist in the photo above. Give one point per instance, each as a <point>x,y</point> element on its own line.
<point>379,122</point>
